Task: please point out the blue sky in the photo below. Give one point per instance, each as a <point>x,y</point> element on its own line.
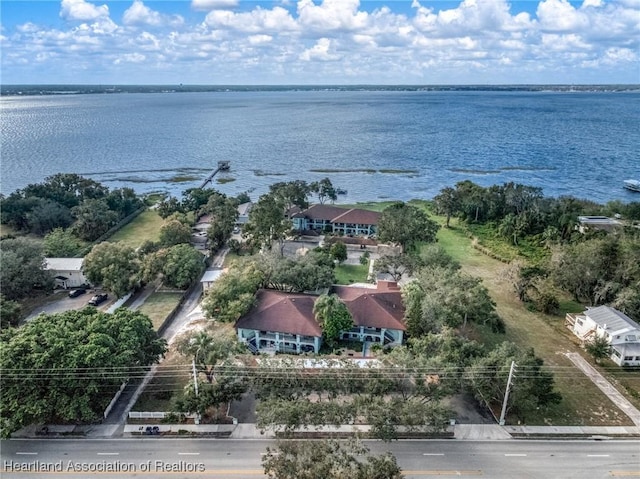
<point>320,42</point>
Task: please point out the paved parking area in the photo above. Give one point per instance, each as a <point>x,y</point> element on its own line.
<point>64,303</point>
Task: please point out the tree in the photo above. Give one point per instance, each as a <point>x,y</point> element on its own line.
<point>93,219</point>
<point>599,348</point>
<point>23,268</point>
<point>183,265</point>
<point>48,215</point>
<point>207,351</point>
<point>338,251</point>
<point>10,312</point>
<point>60,243</point>
<point>406,225</point>
<point>68,189</point>
<point>533,387</point>
<point>113,265</point>
<point>169,206</point>
<point>291,193</point>
<point>267,222</point>
<point>310,272</point>
<point>66,367</point>
<point>333,316</point>
<point>173,233</point>
<point>224,214</point>
<point>364,258</point>
<point>327,459</point>
<point>124,201</point>
<point>447,203</point>
<point>396,265</point>
<point>233,294</point>
<point>325,190</point>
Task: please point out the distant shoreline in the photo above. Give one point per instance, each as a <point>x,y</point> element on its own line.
<point>53,89</point>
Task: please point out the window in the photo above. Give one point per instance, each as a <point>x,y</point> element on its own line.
<point>628,358</point>
<point>637,358</point>
<point>616,353</point>
<point>579,321</point>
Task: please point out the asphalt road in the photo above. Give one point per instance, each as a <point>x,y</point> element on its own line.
<point>224,458</point>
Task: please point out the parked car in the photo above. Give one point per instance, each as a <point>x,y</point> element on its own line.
<point>98,299</point>
<point>77,292</point>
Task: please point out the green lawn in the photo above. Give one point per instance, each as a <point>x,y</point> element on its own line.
<point>145,226</point>
<point>371,205</point>
<point>351,273</point>
<point>170,379</point>
<point>583,403</point>
<point>159,305</point>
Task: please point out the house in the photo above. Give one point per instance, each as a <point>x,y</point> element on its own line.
<point>622,332</point>
<point>604,223</point>
<point>285,322</point>
<point>67,272</point>
<point>377,313</point>
<point>333,219</point>
<point>281,322</point>
<point>209,277</point>
<point>243,213</point>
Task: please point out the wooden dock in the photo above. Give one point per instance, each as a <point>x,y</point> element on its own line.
<point>222,166</point>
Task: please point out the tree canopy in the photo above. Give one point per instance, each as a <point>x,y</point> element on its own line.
<point>67,366</point>
<point>328,459</point>
<point>114,266</point>
<point>23,268</point>
<point>333,316</point>
<point>406,225</point>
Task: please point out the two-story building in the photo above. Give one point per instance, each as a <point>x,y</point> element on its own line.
<point>622,332</point>
<point>281,322</point>
<point>377,313</point>
<point>336,220</point>
<point>285,322</point>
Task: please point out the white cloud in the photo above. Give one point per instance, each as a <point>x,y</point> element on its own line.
<point>560,16</point>
<point>139,14</point>
<point>320,51</point>
<point>332,15</point>
<point>208,5</point>
<point>276,20</point>
<point>82,10</point>
<point>314,41</point>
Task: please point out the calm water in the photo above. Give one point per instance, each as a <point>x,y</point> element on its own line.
<point>581,144</point>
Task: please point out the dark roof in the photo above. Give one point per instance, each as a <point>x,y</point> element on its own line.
<point>283,313</point>
<point>357,216</point>
<point>336,214</point>
<point>320,212</point>
<point>372,307</point>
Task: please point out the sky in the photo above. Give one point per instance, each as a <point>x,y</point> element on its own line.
<point>320,42</point>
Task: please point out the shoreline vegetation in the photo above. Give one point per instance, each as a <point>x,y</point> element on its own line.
<point>70,89</point>
<point>461,225</point>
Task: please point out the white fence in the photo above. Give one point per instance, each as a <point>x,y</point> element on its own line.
<point>158,415</point>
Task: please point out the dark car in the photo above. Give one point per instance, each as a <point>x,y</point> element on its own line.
<point>77,292</point>
<point>98,299</point>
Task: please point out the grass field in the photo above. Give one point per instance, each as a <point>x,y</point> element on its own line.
<point>159,305</point>
<point>351,273</point>
<point>583,403</point>
<point>172,375</point>
<point>146,226</point>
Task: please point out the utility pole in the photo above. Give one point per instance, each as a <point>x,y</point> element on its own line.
<point>506,393</point>
<point>195,386</point>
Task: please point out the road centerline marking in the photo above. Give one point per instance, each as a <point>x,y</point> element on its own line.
<point>188,454</point>
<point>27,453</point>
<point>598,455</point>
<point>108,454</point>
<point>433,454</point>
<point>515,455</point>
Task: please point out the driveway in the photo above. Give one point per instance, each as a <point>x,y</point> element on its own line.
<point>64,303</point>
